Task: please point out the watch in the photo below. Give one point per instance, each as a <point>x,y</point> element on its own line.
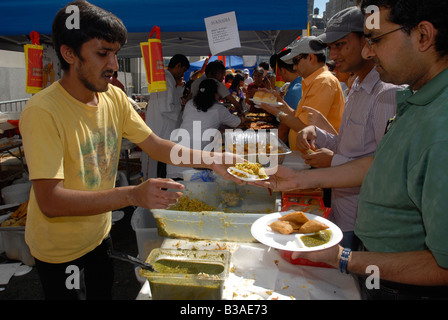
<point>279,114</point>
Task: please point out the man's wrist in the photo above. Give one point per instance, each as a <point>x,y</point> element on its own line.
<point>280,114</point>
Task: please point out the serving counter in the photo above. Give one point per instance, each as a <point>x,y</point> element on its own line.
<point>258,272</point>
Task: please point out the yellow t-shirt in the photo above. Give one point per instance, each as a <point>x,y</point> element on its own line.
<point>322,91</point>
<point>66,139</point>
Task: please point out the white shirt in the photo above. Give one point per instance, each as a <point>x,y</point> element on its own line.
<point>194,131</point>
<point>163,114</point>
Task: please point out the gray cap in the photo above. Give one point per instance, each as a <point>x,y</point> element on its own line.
<point>301,46</point>
<point>341,24</point>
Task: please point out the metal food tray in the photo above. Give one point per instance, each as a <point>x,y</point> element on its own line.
<point>228,223</point>
<point>257,142</point>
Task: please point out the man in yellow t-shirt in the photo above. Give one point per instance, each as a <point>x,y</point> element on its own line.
<point>72,133</point>
<point>321,90</point>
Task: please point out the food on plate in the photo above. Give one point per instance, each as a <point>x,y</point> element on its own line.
<point>283,227</point>
<point>264,96</point>
<point>256,115</point>
<point>297,217</point>
<point>312,226</point>
<point>259,125</point>
<point>297,222</point>
<point>251,168</point>
<point>18,217</point>
<point>316,239</point>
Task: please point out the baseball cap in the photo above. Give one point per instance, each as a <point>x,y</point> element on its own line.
<point>246,71</point>
<point>300,46</point>
<point>341,24</point>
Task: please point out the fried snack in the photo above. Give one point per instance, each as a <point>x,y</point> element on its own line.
<point>297,217</point>
<point>250,148</point>
<point>18,217</point>
<point>309,151</point>
<point>264,96</point>
<point>261,125</point>
<point>312,226</point>
<point>297,222</point>
<point>282,227</point>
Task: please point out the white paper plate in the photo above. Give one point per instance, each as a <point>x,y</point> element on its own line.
<point>245,179</point>
<point>291,242</point>
<point>257,103</point>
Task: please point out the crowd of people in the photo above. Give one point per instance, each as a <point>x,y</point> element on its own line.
<point>373,126</point>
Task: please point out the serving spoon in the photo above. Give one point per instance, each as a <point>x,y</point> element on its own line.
<point>127,258</point>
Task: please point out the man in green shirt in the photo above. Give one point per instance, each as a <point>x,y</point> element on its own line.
<point>402,219</point>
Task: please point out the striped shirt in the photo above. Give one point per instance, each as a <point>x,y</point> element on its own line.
<point>370,104</point>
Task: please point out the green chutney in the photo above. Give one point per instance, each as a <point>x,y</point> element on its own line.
<point>317,239</point>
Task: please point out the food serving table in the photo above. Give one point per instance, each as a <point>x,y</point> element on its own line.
<point>258,272</point>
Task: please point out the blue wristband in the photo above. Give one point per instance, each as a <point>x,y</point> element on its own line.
<point>343,262</point>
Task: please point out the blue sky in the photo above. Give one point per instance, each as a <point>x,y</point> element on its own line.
<point>321,5</point>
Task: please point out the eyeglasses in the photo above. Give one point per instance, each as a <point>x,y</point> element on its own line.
<point>372,41</point>
<point>296,60</point>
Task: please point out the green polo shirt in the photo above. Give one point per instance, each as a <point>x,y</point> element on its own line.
<point>403,205</point>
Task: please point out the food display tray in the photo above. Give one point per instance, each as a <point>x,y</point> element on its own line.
<point>229,222</point>
<point>254,146</point>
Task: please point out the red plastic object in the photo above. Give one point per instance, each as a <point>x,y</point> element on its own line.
<point>286,255</point>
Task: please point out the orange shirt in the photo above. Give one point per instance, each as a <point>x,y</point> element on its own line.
<point>322,91</point>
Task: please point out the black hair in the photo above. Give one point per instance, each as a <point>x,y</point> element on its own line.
<point>179,58</point>
<point>228,77</point>
<point>258,70</point>
<point>409,13</point>
<point>94,22</point>
<point>236,82</point>
<point>264,65</point>
<point>276,60</point>
<point>205,98</point>
<point>321,57</point>
<point>214,67</point>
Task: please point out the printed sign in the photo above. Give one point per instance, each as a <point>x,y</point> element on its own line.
<point>222,32</point>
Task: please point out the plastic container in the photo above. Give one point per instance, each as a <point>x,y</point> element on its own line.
<point>16,193</point>
<point>145,227</point>
<point>15,246</point>
<point>305,203</point>
<point>229,222</point>
<point>204,280</point>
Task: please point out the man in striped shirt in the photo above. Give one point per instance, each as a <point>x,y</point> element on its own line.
<point>370,104</point>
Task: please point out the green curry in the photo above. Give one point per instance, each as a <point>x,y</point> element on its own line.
<point>187,267</point>
<point>317,239</point>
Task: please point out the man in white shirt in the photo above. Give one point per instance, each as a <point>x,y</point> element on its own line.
<point>247,78</point>
<point>163,113</point>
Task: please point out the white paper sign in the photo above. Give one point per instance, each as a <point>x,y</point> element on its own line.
<point>222,32</point>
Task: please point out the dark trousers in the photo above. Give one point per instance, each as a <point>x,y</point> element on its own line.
<point>87,278</point>
<point>161,169</point>
<point>397,291</point>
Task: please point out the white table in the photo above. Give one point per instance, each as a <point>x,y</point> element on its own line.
<point>259,272</point>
